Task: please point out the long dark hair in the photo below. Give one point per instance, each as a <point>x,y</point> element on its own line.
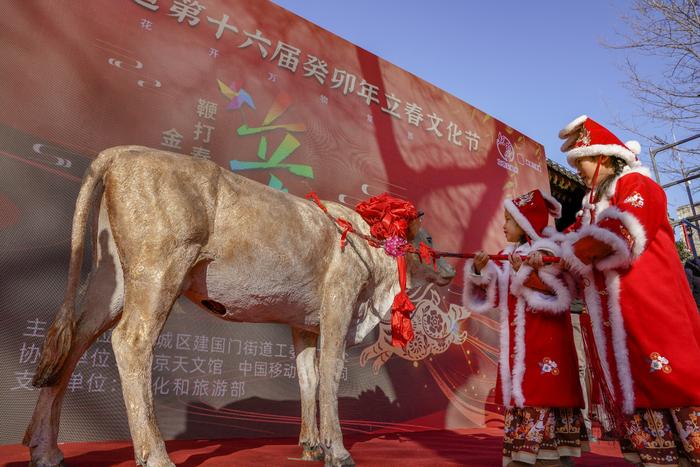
<point>618,166</point>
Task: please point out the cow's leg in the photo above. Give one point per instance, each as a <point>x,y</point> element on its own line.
<point>307,369</point>
<point>335,318</point>
<point>99,311</point>
<point>151,288</point>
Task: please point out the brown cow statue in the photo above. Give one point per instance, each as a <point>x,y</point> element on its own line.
<point>166,225</point>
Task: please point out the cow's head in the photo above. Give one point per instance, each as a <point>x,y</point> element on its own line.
<point>420,273</point>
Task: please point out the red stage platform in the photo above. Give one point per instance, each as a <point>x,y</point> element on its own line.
<point>435,448</point>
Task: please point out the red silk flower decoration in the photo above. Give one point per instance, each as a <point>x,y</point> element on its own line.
<point>387,216</point>
<point>389,219</point>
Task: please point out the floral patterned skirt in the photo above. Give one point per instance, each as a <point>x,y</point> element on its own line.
<point>532,433</point>
<point>664,437</point>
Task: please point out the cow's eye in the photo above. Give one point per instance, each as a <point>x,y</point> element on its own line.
<point>429,240</point>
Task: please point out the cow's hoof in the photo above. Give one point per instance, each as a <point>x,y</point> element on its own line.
<point>344,462</point>
<point>44,464</point>
<point>53,458</point>
<point>155,461</point>
<point>311,453</point>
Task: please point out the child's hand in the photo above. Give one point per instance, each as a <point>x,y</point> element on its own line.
<point>480,261</point>
<point>515,261</point>
<point>534,260</point>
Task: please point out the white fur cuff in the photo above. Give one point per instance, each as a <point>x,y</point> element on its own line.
<point>633,226</point>
<point>621,255</point>
<point>557,302</point>
<point>548,245</point>
<point>474,297</point>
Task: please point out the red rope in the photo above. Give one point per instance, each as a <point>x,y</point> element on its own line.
<point>443,254</point>
<point>314,197</point>
<point>591,198</point>
<point>347,227</point>
<point>344,224</point>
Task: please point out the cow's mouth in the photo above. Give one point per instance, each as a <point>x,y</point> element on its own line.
<point>444,281</point>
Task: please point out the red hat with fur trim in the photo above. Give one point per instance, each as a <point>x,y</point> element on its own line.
<point>532,210</point>
<point>586,137</point>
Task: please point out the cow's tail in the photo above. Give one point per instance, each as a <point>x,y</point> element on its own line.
<point>60,335</point>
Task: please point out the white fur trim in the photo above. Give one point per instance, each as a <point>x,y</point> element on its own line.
<point>519,354</point>
<point>520,219</point>
<point>587,207</point>
<point>633,226</point>
<point>571,127</point>
<point>511,380</point>
<point>474,297</point>
<point>486,276</point>
<point>614,150</point>
<point>570,282</point>
<point>557,302</point>
<point>553,234</point>
<point>569,143</point>
<point>619,341</point>
<point>520,248</point>
<point>546,245</point>
<point>634,146</point>
<point>518,279</point>
<point>585,216</point>
<point>556,205</point>
<point>595,311</point>
<point>621,255</point>
<point>504,340</point>
<point>601,206</point>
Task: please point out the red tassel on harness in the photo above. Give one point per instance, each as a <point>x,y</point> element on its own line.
<point>389,218</point>
<point>401,328</point>
<point>427,255</point>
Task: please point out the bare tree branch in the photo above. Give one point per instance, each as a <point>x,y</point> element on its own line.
<point>669,32</point>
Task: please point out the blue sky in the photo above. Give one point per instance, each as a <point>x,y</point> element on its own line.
<point>534,65</point>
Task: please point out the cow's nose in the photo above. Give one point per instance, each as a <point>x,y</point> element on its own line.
<point>449,272</point>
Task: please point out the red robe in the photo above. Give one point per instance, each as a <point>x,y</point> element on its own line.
<point>538,365</point>
<point>645,322</point>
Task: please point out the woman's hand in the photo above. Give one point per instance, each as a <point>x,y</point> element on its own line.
<point>480,261</point>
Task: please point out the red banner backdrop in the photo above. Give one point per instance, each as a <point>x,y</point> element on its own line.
<point>265,93</point>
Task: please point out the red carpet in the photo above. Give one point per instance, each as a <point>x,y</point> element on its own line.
<point>428,448</point>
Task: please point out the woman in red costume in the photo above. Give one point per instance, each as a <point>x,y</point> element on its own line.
<point>644,322</point>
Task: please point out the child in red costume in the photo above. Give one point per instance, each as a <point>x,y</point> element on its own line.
<point>538,380</point>
<point>644,320</point>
